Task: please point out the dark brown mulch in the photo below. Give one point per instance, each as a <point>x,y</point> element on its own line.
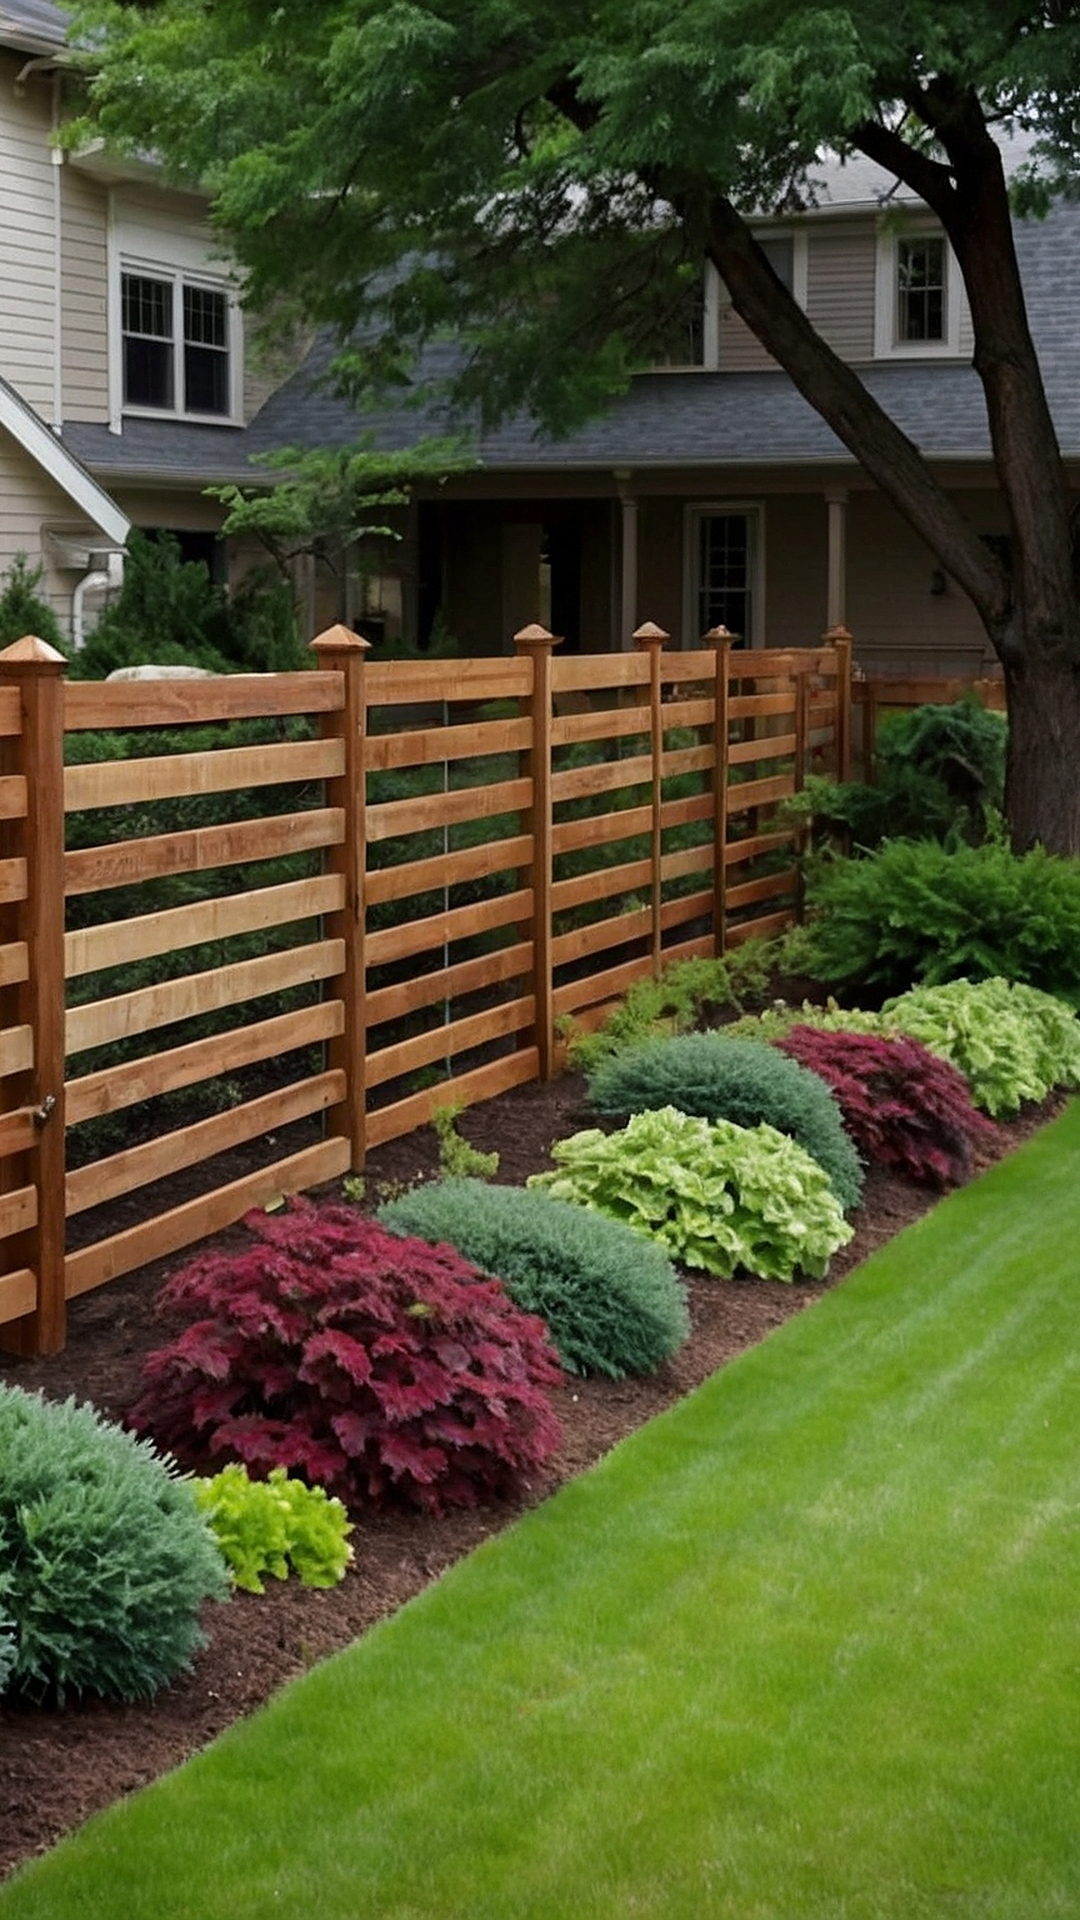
<point>58,1767</point>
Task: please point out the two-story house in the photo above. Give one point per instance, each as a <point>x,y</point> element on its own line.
<point>710,492</point>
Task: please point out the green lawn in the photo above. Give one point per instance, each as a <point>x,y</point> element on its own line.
<point>809,1645</point>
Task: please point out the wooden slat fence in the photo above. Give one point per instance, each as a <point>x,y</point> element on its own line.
<point>389,887</point>
<point>875,694</point>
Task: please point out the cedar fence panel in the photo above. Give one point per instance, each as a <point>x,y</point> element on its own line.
<point>337,899</point>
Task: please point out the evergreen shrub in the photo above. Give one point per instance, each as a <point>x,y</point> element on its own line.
<point>915,912</point>
<point>1011,1042</point>
<point>717,1196</point>
<point>939,772</point>
<point>105,1560</point>
<point>385,1370</point>
<point>740,1080</point>
<point>905,1108</point>
<point>613,1304</point>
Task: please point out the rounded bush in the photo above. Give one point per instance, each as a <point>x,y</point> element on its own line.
<point>106,1558</point>
<point>1011,1042</point>
<point>383,1369</point>
<point>613,1303</point>
<point>740,1080</point>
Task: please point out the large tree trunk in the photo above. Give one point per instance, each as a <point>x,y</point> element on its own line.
<point>1042,778</point>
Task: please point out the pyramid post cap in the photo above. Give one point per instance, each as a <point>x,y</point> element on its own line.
<point>339,639</point>
<point>31,651</point>
<point>649,635</point>
<point>534,635</point>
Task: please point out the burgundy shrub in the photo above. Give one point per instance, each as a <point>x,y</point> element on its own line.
<point>384,1369</point>
<point>904,1107</point>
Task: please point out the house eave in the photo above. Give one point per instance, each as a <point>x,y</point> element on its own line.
<point>30,432</point>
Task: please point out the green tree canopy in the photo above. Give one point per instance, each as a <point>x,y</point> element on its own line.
<point>544,182</point>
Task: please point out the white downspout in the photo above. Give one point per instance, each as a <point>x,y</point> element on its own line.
<point>99,580</point>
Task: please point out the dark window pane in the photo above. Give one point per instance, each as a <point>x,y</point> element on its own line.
<point>148,373</point>
<point>724,573</point>
<point>921,289</point>
<point>206,380</point>
<point>780,254</point>
<point>147,306</point>
<point>205,317</point>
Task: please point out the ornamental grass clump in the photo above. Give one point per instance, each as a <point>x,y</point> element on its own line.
<point>105,1560</point>
<point>276,1526</point>
<point>613,1303</point>
<point>905,1108</point>
<point>718,1196</point>
<point>385,1370</point>
<point>740,1080</point>
<point>1011,1042</point>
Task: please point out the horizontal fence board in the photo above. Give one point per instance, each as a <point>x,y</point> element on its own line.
<point>18,1294</point>
<point>428,811</point>
<point>609,984</point>
<point>427,746</point>
<point>699,947</point>
<point>686,813</point>
<point>16,1050</point>
<point>442,1043</point>
<point>774,746</point>
<point>12,881</point>
<point>600,936</point>
<point>593,672</point>
<point>170,776</point>
<point>600,829</point>
<point>153,1160</point>
<point>18,1132</point>
<point>101,1021</point>
<point>18,1210</point>
<point>688,713</point>
<point>12,796</point>
<point>10,711</point>
<point>123,863</point>
<point>169,1232</point>
<point>397,683</point>
<point>679,760</point>
<point>91,949</point>
<point>124,1086</point>
<point>770,663</point>
<point>14,963</point>
<point>689,906</point>
<point>606,776</point>
<point>412,877</point>
<point>483,1083</point>
<point>758,793</point>
<point>602,883</point>
<point>101,704</point>
<point>439,929</point>
<point>685,666</point>
<point>756,844</point>
<point>769,887</point>
<point>760,706</point>
<point>449,983</point>
<point>698,859</point>
<point>600,723</point>
<point>744,930</point>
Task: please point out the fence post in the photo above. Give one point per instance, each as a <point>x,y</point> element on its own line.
<point>38,1002</point>
<point>840,638</point>
<point>652,639</point>
<point>721,641</point>
<point>339,650</point>
<point>537,642</point>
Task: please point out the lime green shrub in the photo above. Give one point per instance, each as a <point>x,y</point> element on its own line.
<point>612,1303</point>
<point>274,1525</point>
<point>1011,1041</point>
<point>914,912</point>
<point>718,1196</point>
<point>106,1559</point>
<point>740,1080</point>
<point>683,995</point>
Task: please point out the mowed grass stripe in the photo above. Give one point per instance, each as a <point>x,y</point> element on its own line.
<point>808,1645</point>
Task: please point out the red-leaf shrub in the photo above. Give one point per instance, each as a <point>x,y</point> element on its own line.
<point>384,1369</point>
<point>902,1105</point>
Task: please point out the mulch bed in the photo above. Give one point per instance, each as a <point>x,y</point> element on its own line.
<point>58,1767</point>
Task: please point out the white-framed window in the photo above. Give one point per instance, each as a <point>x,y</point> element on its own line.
<point>175,330</point>
<point>724,571</point>
<point>919,303</point>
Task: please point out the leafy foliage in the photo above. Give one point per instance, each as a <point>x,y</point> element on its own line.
<point>718,1196</point>
<point>740,1080</point>
<point>915,912</point>
<point>1012,1042</point>
<point>105,1560</point>
<point>457,1159</point>
<point>614,1305</point>
<point>684,994</point>
<point>385,1370</point>
<point>23,609</point>
<point>905,1108</point>
<point>939,772</point>
<point>268,1526</point>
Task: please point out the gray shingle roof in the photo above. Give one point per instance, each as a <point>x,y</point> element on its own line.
<point>34,20</point>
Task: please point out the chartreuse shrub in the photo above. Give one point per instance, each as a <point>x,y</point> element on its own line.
<point>613,1303</point>
<point>914,913</point>
<point>105,1560</point>
<point>740,1080</point>
<point>274,1526</point>
<point>906,1108</point>
<point>1011,1042</point>
<point>381,1368</point>
<point>718,1196</point>
<point>683,995</point>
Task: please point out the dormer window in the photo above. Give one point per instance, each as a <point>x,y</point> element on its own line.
<point>175,344</point>
<point>920,289</point>
<point>920,308</point>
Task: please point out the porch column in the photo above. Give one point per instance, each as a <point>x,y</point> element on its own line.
<point>836,589</point>
<point>628,551</point>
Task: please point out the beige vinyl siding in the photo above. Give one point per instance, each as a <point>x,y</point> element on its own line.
<point>177,507</point>
<point>796,552</point>
<point>26,238</point>
<point>841,275</point>
<point>740,350</point>
<point>172,215</point>
<point>898,624</point>
<point>29,502</point>
<point>85,329</point>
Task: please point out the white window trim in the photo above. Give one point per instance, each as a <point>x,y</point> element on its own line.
<point>887,345</point>
<point>177,258</point>
<point>717,297</point>
<point>696,511</point>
